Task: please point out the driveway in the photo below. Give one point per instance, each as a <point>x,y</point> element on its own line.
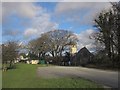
<point>107,78</point>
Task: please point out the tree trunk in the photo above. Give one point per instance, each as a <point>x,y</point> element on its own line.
<point>119,45</point>
<point>10,64</point>
<point>108,47</point>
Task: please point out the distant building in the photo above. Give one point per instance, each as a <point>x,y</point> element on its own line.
<point>22,58</point>
<point>34,61</point>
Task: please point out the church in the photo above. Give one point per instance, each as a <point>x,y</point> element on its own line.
<point>82,57</point>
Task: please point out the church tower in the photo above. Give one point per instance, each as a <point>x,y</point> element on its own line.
<point>73,49</point>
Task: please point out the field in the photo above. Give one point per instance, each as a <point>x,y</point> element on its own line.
<point>25,76</point>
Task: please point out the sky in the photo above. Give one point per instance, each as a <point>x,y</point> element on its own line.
<point>24,21</point>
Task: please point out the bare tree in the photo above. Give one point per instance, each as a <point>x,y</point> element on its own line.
<point>9,53</point>
<point>53,42</point>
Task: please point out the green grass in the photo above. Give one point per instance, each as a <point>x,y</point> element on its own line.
<point>24,76</point>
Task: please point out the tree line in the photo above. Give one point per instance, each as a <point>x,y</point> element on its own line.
<point>108,34</point>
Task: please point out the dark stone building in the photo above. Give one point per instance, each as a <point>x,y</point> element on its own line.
<point>83,57</point>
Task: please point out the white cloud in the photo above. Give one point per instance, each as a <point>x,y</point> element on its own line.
<point>80,12</point>
<point>19,1</point>
<point>0,12</point>
<point>39,28</point>
<point>27,10</point>
<point>24,10</point>
<point>41,24</point>
<point>39,20</point>
<point>60,1</point>
<point>29,32</point>
<point>63,7</point>
<point>84,39</point>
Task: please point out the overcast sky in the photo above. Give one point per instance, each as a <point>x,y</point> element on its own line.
<point>24,21</point>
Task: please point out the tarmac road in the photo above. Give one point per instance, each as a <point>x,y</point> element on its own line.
<point>104,77</point>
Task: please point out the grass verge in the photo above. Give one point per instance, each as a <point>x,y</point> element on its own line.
<point>24,76</point>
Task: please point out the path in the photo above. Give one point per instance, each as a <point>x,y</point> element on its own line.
<point>108,78</point>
